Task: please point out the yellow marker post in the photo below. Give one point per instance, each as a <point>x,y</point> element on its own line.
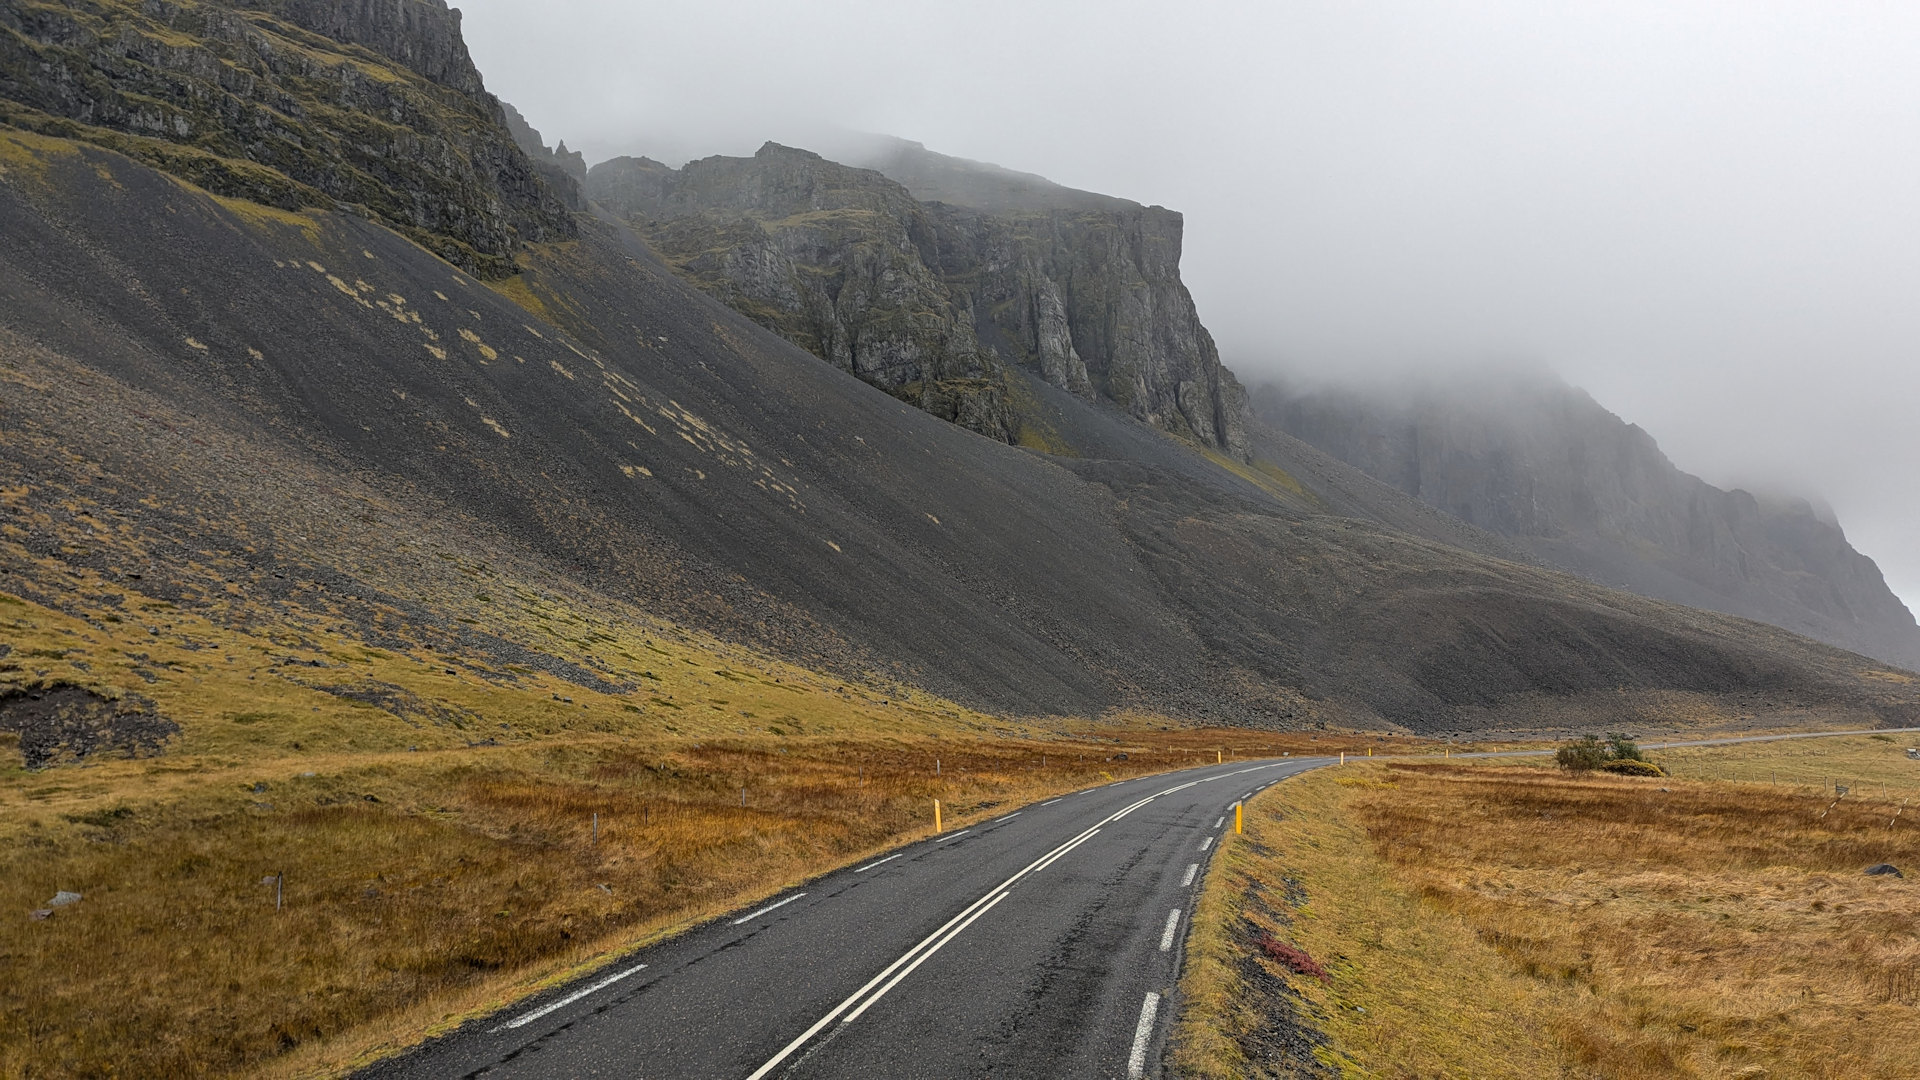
<point>1369,751</point>
<point>1238,825</point>
<point>936,815</point>
<point>1219,757</point>
<point>1343,757</point>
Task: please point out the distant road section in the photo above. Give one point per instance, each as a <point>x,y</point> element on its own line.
<point>1041,945</point>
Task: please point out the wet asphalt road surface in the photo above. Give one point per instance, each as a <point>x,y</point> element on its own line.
<point>1041,945</point>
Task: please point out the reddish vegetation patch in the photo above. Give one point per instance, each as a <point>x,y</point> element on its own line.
<point>1296,960</point>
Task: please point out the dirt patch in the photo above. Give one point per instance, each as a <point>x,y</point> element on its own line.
<point>62,722</point>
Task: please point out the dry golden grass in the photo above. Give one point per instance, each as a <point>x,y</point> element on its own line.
<point>1413,992</point>
<point>1645,928</point>
<point>438,854</point>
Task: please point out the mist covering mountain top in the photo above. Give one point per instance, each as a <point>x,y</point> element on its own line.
<point>1537,461</point>
<point>315,400</point>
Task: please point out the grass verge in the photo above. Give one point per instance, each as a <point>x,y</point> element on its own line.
<point>1493,920</point>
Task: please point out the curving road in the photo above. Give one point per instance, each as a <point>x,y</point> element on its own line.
<point>1042,945</point>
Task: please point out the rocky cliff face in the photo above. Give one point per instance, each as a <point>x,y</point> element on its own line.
<point>564,170</point>
<point>372,105</point>
<point>1544,464</point>
<point>934,301</point>
<point>838,260</point>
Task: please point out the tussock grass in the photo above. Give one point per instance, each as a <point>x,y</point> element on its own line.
<point>1642,927</point>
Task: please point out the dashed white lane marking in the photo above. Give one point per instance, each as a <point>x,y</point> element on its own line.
<point>1050,802</point>
<point>953,836</point>
<point>769,907</point>
<point>566,1001</point>
<point>1142,1035</point>
<point>877,862</point>
<point>1219,823</point>
<point>1207,843</point>
<point>1191,870</point>
<point>1166,936</point>
<point>1009,817</point>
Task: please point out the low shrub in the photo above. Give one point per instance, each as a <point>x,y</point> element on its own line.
<point>1582,754</point>
<point>1294,959</point>
<point>1616,754</point>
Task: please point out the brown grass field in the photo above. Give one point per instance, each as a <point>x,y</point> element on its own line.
<point>439,852</point>
<point>1512,921</point>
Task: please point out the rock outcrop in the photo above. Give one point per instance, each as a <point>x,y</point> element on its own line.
<point>838,260</point>
<point>370,105</point>
<point>1544,465</point>
<point>564,170</point>
<point>933,300</point>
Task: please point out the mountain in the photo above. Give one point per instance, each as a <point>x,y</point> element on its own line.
<point>1545,466</point>
<point>292,104</point>
<point>347,415</point>
<point>936,301</point>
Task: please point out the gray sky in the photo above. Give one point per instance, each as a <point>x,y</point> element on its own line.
<point>1707,214</point>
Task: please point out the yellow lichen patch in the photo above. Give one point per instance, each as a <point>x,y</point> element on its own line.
<point>834,546</point>
<point>367,253</point>
<point>195,345</point>
<point>636,470</point>
<point>495,425</point>
<point>306,223</point>
<point>24,154</point>
<point>438,352</point>
<point>555,364</point>
<point>933,519</point>
<point>1886,676</point>
<point>349,291</point>
<point>317,268</point>
<point>532,331</point>
<point>256,353</point>
<point>441,295</point>
<point>473,339</point>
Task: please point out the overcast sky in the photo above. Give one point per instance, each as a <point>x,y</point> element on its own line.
<point>1707,214</point>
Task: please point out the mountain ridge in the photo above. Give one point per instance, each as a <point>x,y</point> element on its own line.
<point>936,302</point>
<point>1547,467</point>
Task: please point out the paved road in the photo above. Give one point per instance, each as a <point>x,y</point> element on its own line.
<point>1042,945</point>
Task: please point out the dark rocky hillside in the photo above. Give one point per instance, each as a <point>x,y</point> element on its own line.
<point>1546,467</point>
<point>227,406</point>
<point>373,106</point>
<point>935,301</point>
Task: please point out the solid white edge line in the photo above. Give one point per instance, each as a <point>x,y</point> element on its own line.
<point>952,836</point>
<point>1166,936</point>
<point>1191,871</point>
<point>769,907</point>
<point>1142,1035</point>
<point>565,1001</point>
<point>921,959</point>
<point>877,862</point>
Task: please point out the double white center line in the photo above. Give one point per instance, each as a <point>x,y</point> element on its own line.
<point>863,999</point>
<point>877,987</point>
